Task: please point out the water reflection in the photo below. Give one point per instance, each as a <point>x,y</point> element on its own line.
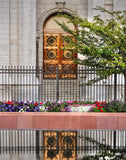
<point>20,156</point>
<point>20,153</point>
<point>31,153</point>
<point>56,144</point>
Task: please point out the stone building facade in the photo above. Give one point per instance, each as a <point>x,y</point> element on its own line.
<point>22,21</point>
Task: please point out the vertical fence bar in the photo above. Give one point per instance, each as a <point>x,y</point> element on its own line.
<point>37,144</point>
<point>57,83</point>
<point>3,86</point>
<point>5,83</point>
<point>41,82</point>
<point>115,86</point>
<point>114,140</point>
<point>21,83</point>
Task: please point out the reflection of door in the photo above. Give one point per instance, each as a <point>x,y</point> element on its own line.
<point>60,145</point>
<point>55,56</point>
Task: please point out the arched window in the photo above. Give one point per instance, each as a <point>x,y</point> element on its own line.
<point>53,55</point>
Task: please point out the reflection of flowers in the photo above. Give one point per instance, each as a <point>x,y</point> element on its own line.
<point>67,153</point>
<point>51,153</point>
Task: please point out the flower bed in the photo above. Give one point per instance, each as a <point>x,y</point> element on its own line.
<point>69,106</point>
<point>33,115</point>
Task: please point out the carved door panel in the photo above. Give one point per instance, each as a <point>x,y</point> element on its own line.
<point>67,62</point>
<point>60,145</point>
<point>51,54</point>
<point>55,56</point>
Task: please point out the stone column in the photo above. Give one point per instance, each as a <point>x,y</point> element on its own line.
<point>14,33</point>
<point>27,32</point>
<point>4,32</point>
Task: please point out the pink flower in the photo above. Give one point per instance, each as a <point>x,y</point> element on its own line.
<point>70,102</point>
<point>60,102</point>
<point>62,110</point>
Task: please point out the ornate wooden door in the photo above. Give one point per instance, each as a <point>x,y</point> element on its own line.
<point>55,56</point>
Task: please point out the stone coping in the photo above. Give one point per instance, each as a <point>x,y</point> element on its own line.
<point>62,120</point>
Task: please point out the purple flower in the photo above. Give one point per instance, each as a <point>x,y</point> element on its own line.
<point>26,103</point>
<point>90,110</point>
<point>68,109</point>
<point>32,102</point>
<point>3,105</point>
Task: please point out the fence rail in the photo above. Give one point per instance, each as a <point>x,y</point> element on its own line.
<point>35,84</point>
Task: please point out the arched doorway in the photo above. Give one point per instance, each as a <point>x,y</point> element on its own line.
<point>53,54</point>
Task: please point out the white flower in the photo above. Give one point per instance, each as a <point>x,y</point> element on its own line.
<point>42,107</point>
<point>107,158</point>
<point>80,109</point>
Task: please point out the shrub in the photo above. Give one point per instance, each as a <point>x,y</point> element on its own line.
<point>57,107</point>
<point>114,106</point>
<point>14,106</point>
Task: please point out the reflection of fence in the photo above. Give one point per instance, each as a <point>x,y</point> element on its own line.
<point>35,84</point>
<point>55,144</point>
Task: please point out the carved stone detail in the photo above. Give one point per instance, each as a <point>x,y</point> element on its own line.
<point>60,5</point>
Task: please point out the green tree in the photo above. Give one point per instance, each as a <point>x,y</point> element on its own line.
<point>101,42</point>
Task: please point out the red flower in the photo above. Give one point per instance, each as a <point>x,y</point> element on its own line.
<point>75,101</point>
<point>101,110</point>
<point>103,102</point>
<point>36,104</point>
<point>40,103</point>
<point>9,102</point>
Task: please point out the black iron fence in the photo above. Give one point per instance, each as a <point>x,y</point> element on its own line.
<point>60,144</point>
<point>35,84</point>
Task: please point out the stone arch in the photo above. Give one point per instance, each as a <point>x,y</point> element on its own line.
<point>47,14</point>
<point>39,31</point>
